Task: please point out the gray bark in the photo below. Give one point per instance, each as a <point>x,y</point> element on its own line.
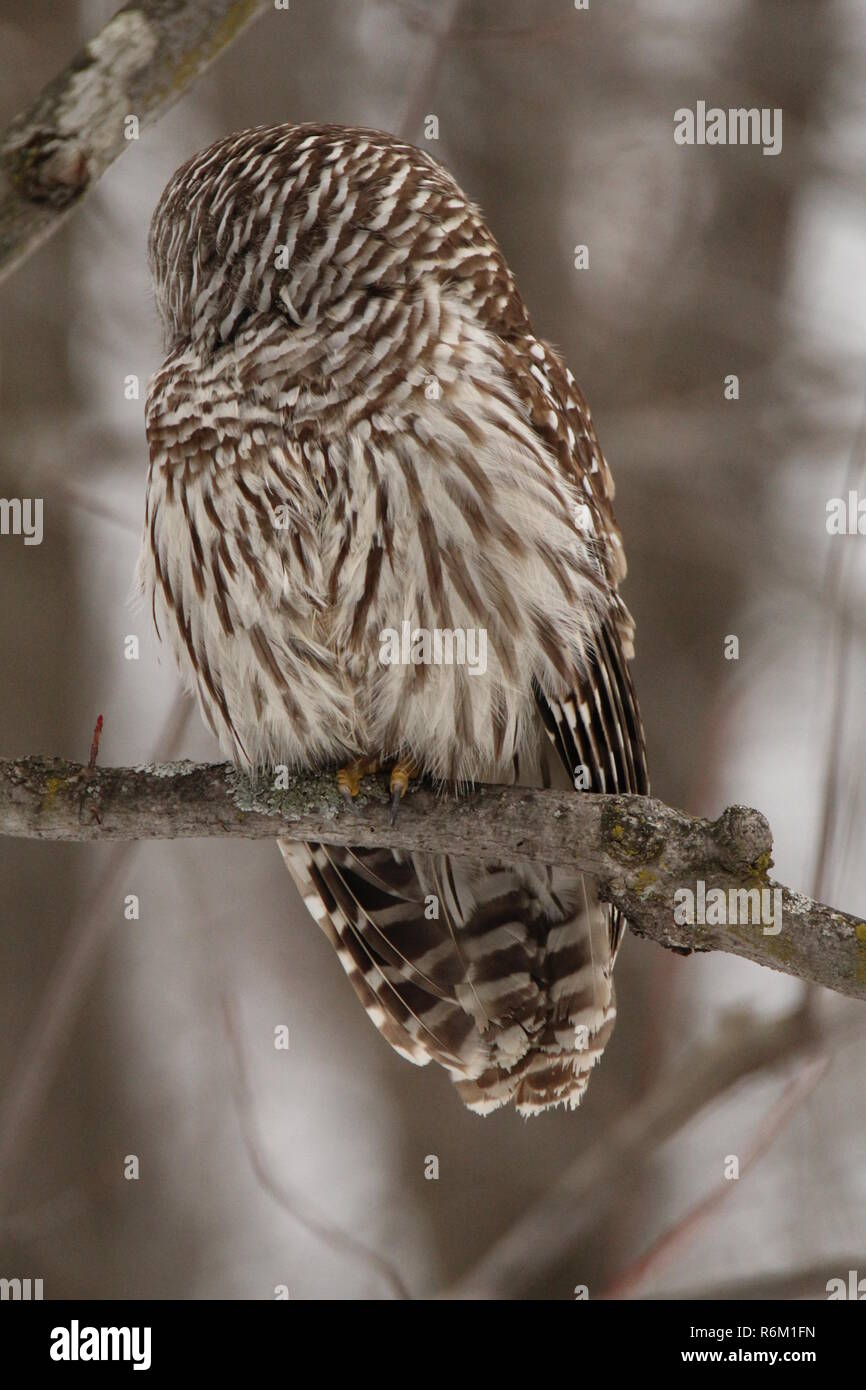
<point>640,851</point>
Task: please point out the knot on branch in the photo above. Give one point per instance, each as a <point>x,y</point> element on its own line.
<point>744,840</point>
<point>48,168</point>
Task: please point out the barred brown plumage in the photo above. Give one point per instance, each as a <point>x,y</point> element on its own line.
<point>355,427</point>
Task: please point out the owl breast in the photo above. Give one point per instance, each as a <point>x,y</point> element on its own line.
<point>339,581</point>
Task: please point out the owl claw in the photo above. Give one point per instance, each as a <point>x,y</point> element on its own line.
<point>350,777</point>
<point>401,775</point>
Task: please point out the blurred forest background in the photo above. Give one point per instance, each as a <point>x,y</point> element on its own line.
<point>702,262</point>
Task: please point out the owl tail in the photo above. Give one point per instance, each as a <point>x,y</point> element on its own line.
<point>554,1070</point>
<point>507,985</point>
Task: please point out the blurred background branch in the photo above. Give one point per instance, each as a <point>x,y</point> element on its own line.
<point>140,63</point>
<point>553,1228</point>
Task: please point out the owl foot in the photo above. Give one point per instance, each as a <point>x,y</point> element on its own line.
<point>349,778</point>
<point>402,774</point>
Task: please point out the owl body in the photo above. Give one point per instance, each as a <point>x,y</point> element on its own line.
<point>356,433</point>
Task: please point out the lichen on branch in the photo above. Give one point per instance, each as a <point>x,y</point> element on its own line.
<point>649,858</point>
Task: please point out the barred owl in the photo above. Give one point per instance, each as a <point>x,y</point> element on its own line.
<point>356,428</point>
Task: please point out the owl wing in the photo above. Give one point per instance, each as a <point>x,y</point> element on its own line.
<point>597,727</point>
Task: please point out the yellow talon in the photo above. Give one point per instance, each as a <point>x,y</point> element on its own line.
<point>402,774</point>
<point>349,778</point>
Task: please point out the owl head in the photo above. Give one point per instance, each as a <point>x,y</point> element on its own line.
<point>330,229</point>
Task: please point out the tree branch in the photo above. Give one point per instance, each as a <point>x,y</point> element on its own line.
<point>641,851</point>
<point>144,59</point>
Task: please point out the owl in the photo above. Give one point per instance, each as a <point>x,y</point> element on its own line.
<point>379,538</point>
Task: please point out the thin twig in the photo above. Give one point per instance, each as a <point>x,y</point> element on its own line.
<point>298,1207</point>
<point>671,1241</point>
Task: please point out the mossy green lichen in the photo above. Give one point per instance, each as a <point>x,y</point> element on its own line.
<point>52,787</point>
<point>643,882</point>
<point>257,793</point>
<point>860,937</point>
<point>631,835</point>
<point>758,875</point>
<point>781,948</point>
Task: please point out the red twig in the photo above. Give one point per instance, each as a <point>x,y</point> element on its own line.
<point>87,789</point>
<point>94,744</point>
